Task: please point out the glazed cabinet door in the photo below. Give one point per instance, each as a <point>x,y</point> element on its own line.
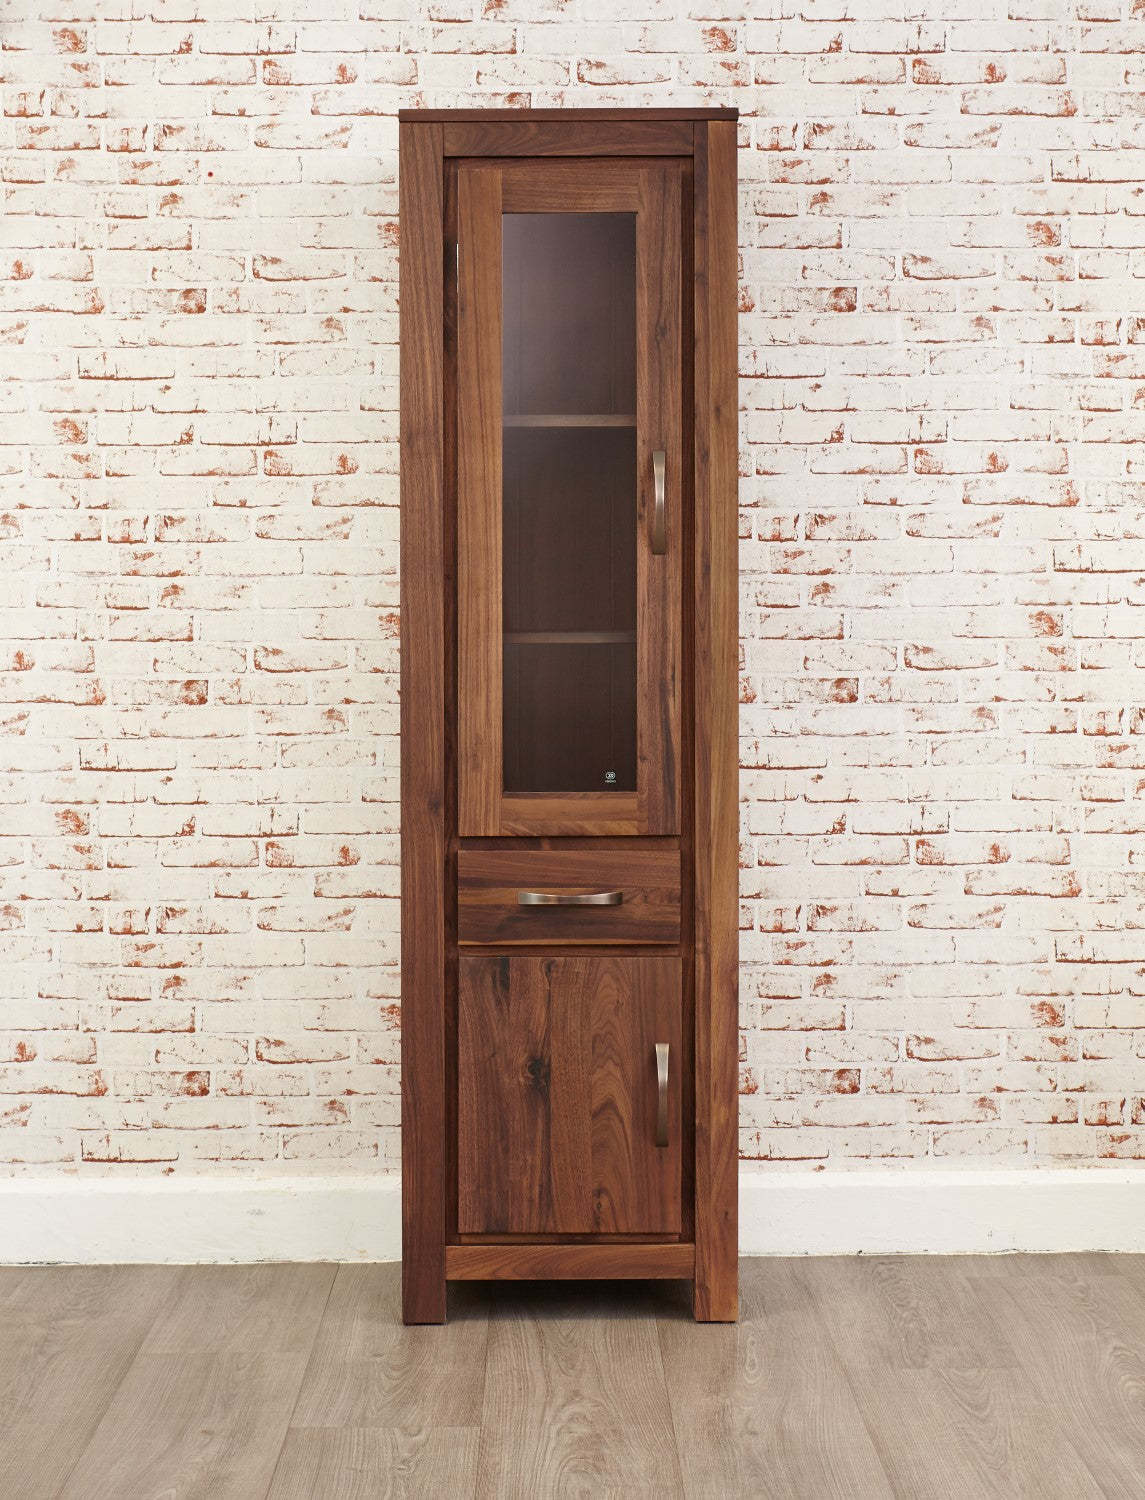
<point>570,491</point>
<point>569,1095</point>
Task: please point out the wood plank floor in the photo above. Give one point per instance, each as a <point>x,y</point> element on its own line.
<point>916,1378</point>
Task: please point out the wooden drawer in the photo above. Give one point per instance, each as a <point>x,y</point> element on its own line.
<point>490,883</point>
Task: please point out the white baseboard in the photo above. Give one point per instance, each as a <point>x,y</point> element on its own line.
<point>208,1220</point>
<point>200,1220</point>
<point>956,1212</point>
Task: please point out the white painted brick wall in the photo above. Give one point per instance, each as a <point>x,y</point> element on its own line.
<point>943,551</point>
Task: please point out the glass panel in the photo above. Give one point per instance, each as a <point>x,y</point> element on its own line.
<point>569,502</point>
<point>569,718</point>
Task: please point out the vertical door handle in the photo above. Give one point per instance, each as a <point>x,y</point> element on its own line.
<point>661,1093</point>
<point>660,504</point>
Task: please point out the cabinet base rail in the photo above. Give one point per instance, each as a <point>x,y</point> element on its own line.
<point>569,1262</point>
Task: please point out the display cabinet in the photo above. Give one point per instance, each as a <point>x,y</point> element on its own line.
<point>568,695</point>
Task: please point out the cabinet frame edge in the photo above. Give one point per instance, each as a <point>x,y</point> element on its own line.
<point>716,722</point>
<point>424,678</point>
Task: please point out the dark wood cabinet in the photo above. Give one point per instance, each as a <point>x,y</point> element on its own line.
<point>569,750</point>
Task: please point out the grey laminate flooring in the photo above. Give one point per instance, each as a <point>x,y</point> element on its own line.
<point>920,1378</point>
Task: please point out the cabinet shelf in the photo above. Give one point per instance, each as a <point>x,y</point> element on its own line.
<point>572,419</point>
<point>569,637</point>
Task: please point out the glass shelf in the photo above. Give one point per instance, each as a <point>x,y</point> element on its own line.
<point>571,419</point>
<point>570,637</point>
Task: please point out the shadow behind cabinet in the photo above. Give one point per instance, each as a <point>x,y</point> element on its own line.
<point>568,698</point>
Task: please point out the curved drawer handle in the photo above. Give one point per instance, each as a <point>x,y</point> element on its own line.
<point>661,1093</point>
<point>567,898</point>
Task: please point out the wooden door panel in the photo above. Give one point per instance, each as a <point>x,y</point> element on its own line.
<point>558,1095</point>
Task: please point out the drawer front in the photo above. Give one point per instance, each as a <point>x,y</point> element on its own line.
<point>553,882</point>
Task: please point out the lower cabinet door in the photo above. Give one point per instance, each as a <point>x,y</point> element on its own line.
<point>569,1095</point>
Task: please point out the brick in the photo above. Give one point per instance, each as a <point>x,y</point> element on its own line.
<point>941,505</point>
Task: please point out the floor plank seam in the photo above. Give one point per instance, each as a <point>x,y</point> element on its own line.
<point>318,1321</point>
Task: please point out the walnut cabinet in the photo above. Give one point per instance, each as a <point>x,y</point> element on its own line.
<point>568,697</point>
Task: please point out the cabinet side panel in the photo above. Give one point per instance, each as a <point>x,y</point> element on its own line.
<point>716,723</point>
<point>479,667</point>
<point>422,728</point>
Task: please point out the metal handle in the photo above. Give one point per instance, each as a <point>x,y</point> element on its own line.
<point>661,1093</point>
<point>660,508</point>
<point>569,898</point>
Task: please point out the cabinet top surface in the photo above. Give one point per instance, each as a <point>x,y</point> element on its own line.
<point>437,116</point>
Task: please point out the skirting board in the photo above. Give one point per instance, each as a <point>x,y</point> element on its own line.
<point>200,1221</point>
<point>954,1212</point>
<point>206,1220</point>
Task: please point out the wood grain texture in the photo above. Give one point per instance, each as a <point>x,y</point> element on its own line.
<point>568,138</point>
<point>196,1426</point>
<point>889,1312</point>
<point>977,1434</point>
<point>598,845</point>
<point>233,1309</point>
<point>479,750</point>
<point>557,1095</point>
<point>716,716</point>
<point>423,732</point>
<point>488,883</point>
<point>765,1408</point>
<point>659,426</point>
<point>366,1370</point>
<point>1081,1342</point>
<point>571,813</point>
<point>376,1463</point>
<point>574,1389</point>
<point>563,116</point>
<point>574,1404</point>
<point>601,187</point>
<point>569,1262</point>
<point>68,1339</point>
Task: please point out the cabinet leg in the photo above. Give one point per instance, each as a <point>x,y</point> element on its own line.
<point>715,1296</point>
<point>423,1297</point>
